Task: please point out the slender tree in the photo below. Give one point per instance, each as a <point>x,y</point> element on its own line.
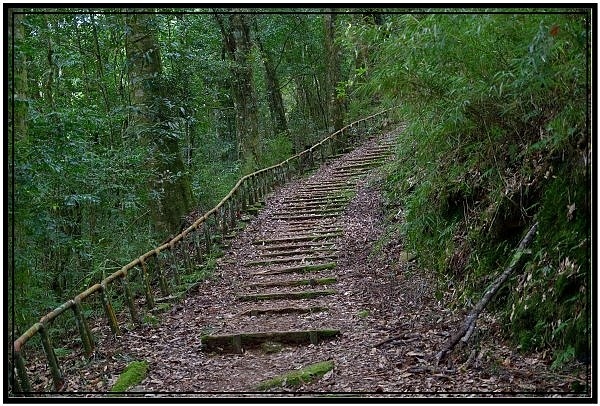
<point>273,88</point>
<point>332,53</point>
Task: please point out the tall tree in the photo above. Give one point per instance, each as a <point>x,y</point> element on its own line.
<point>238,44</point>
<point>20,85</point>
<point>274,97</point>
<point>149,121</point>
<point>332,54</point>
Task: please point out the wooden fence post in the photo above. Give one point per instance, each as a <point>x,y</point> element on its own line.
<point>147,288</point>
<point>130,302</point>
<point>187,259</point>
<point>84,330</point>
<point>22,372</point>
<point>108,309</point>
<point>207,237</point>
<point>162,281</point>
<point>51,356</point>
<point>198,244</point>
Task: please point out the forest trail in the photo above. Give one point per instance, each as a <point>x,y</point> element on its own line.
<point>306,282</point>
<point>286,296</point>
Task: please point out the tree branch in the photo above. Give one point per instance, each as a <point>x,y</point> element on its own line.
<point>465,331</point>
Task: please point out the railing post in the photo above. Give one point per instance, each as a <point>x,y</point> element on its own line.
<point>198,244</point>
<point>84,329</point>
<point>244,195</point>
<point>288,171</point>
<point>175,262</point>
<point>261,186</point>
<point>108,309</point>
<point>223,215</point>
<point>255,192</point>
<point>147,288</point>
<point>51,356</point>
<point>162,281</point>
<point>130,302</point>
<point>22,372</point>
<point>207,237</point>
<point>232,213</point>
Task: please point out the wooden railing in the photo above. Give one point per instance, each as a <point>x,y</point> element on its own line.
<point>217,222</point>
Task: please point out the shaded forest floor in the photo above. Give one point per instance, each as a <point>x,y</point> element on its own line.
<point>392,325</point>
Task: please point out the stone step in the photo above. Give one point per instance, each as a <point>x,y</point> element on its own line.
<point>297,269</point>
<point>308,237</point>
<point>305,217</point>
<point>284,310</point>
<point>309,294</point>
<point>287,247</point>
<point>237,343</point>
<point>293,282</point>
<point>296,252</point>
<point>303,259</point>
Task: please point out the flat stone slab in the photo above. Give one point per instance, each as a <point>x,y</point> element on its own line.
<point>283,310</point>
<point>236,343</point>
<point>297,269</point>
<point>311,294</point>
<point>294,282</point>
<point>301,259</point>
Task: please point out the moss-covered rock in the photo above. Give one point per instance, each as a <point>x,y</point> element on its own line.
<point>134,373</point>
<point>297,378</point>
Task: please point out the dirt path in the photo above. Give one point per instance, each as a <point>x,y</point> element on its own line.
<point>330,221</point>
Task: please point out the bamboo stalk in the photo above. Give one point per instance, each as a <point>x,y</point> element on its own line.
<point>84,330</point>
<point>232,212</point>
<point>130,302</point>
<point>57,377</point>
<point>110,313</point>
<point>147,289</point>
<point>224,230</point>
<point>22,372</point>
<point>162,281</point>
<point>188,264</point>
<point>198,246</point>
<point>207,238</point>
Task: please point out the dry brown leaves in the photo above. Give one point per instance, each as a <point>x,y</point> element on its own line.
<point>392,327</point>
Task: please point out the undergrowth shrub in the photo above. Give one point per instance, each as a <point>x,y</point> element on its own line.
<point>496,107</point>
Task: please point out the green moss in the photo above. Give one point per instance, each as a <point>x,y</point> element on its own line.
<point>62,352</point>
<point>151,320</point>
<point>134,373</point>
<point>363,313</point>
<point>299,377</point>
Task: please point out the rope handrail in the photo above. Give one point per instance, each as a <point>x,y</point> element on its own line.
<point>227,209</point>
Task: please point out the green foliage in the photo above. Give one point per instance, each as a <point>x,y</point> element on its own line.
<point>299,377</point>
<point>276,149</point>
<point>134,373</point>
<point>496,138</point>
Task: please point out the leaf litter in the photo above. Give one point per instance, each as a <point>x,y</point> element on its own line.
<point>391,321</point>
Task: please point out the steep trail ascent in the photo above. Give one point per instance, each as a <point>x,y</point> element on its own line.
<point>307,281</point>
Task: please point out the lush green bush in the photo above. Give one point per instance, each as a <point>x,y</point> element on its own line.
<point>497,113</point>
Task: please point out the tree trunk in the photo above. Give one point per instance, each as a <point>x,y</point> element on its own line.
<point>332,54</point>
<point>273,91</point>
<point>236,38</point>
<point>101,80</point>
<point>21,88</point>
<point>147,121</point>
